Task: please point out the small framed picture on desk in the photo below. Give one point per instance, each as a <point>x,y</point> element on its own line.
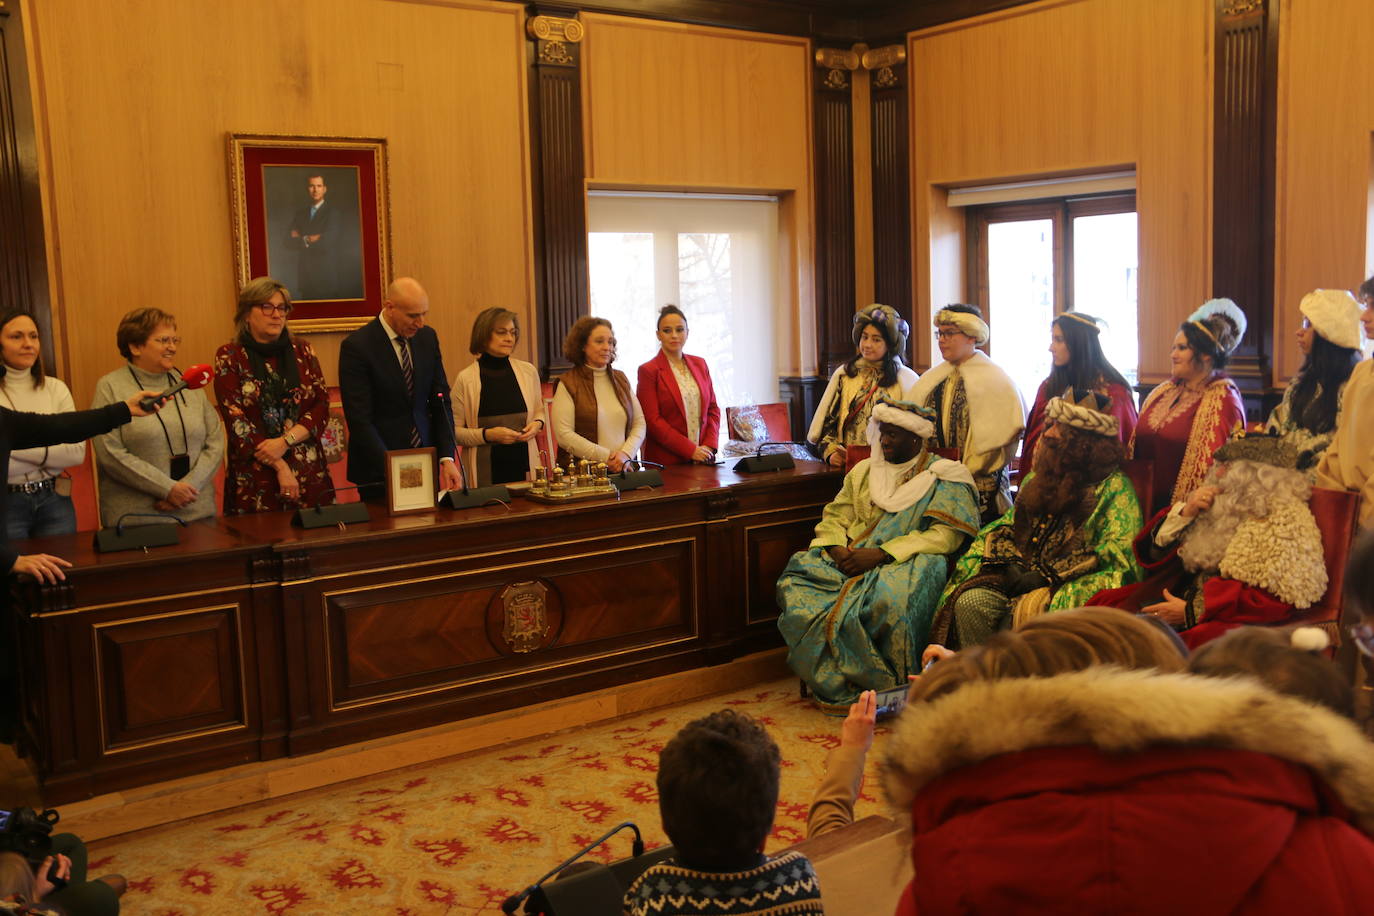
<point>410,481</point>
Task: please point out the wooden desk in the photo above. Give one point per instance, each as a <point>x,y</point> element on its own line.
<point>253,639</point>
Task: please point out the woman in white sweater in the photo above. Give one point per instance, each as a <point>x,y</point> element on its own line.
<point>39,501</point>
<point>595,413</point>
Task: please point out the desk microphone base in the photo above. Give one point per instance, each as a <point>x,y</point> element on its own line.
<point>330,516</point>
<point>475,496</point>
<point>136,537</point>
<point>634,480</point>
<point>773,461</point>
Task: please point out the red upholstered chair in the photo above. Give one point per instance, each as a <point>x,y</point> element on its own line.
<point>775,419</point>
<point>853,454</point>
<point>1337,513</point>
<point>1142,475</point>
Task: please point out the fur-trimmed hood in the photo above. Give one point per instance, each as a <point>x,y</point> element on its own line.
<point>1118,711</point>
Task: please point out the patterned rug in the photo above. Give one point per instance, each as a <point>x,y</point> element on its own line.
<point>457,836</point>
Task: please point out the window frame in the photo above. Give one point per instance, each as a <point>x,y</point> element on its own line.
<point>1061,212</point>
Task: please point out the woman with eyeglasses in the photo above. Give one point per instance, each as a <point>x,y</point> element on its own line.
<point>162,464</point>
<point>498,404</point>
<point>275,403</point>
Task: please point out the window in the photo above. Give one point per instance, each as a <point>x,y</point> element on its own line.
<point>1032,261</point>
<point>712,255</point>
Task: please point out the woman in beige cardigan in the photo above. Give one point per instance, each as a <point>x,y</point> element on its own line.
<point>497,408</point>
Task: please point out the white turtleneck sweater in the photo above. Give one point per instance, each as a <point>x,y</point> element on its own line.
<point>610,422</point>
<point>31,464</point>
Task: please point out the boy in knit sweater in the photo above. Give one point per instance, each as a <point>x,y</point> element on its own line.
<point>717,793</point>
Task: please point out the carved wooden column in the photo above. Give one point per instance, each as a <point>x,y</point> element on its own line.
<point>891,163</point>
<point>560,201</point>
<point>23,258</point>
<point>834,157</point>
<point>1243,185</point>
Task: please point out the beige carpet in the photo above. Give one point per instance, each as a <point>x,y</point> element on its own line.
<point>454,837</point>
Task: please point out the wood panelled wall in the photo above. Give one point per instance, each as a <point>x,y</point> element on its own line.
<point>135,100</point>
<point>1059,87</point>
<point>688,107</point>
<point>1324,170</point>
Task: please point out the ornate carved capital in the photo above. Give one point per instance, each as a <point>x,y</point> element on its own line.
<point>1234,8</point>
<point>552,35</point>
<point>836,59</point>
<point>552,28</point>
<point>884,58</point>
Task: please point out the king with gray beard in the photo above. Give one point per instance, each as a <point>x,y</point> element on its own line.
<point>1242,549</point>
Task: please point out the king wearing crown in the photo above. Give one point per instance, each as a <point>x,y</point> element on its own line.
<point>1067,537</point>
<point>856,606</point>
<point>1242,548</point>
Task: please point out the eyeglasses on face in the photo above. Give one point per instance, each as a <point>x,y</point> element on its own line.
<point>948,333</point>
<point>272,308</point>
<point>165,341</point>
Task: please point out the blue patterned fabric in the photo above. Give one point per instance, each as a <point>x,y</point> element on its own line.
<point>846,635</point>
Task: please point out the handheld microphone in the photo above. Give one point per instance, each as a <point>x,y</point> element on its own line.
<point>510,903</point>
<point>777,461</point>
<point>197,376</point>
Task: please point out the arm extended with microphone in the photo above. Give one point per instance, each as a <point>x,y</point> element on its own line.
<point>777,461</point>
<point>197,376</point>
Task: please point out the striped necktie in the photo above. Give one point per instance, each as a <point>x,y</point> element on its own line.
<point>408,370</point>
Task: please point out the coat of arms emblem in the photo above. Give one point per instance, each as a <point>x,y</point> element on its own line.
<point>527,618</point>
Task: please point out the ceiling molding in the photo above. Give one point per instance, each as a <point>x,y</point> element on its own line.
<point>828,21</point>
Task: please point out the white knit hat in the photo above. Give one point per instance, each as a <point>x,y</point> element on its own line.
<point>1335,315</point>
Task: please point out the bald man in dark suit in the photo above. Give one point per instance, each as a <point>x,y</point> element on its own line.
<point>395,390</point>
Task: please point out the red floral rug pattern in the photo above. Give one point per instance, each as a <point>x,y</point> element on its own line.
<point>454,837</point>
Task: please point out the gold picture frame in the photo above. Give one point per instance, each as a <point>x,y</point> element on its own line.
<point>411,480</point>
<point>280,188</point>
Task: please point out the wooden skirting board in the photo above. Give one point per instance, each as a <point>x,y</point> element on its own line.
<point>164,803</point>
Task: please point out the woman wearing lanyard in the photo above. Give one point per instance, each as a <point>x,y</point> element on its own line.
<point>39,501</point>
<point>166,463</point>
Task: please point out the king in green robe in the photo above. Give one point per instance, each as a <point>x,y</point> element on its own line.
<point>857,605</point>
<point>1068,536</point>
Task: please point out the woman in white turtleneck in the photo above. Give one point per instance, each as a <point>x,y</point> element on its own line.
<point>595,414</point>
<point>34,507</point>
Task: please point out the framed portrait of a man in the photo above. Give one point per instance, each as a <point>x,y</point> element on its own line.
<point>313,213</point>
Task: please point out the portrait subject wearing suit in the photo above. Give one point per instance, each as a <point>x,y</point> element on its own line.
<point>315,232</point>
<point>386,410</point>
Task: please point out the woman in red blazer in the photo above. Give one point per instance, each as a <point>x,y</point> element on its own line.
<point>679,403</point>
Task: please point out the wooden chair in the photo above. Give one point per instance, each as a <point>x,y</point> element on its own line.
<point>1337,513</point>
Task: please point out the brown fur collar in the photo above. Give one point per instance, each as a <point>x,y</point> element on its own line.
<point>1123,711</point>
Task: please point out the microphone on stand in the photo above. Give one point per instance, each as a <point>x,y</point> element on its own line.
<point>640,479</point>
<point>777,461</point>
<point>197,376</point>
<point>108,540</point>
<point>538,894</point>
<point>473,496</point>
<point>339,514</point>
